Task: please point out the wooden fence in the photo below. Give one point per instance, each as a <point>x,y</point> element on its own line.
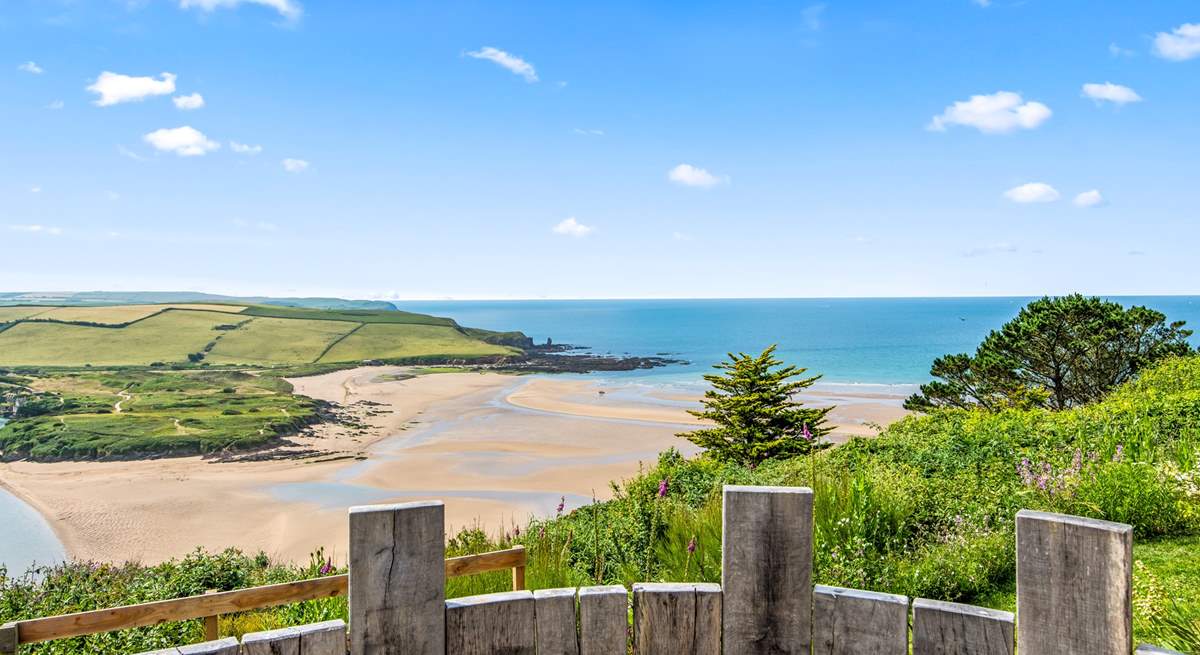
<point>1074,586</point>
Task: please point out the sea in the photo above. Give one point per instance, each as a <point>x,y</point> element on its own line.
<point>881,345</point>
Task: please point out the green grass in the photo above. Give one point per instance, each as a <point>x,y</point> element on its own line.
<point>168,413</point>
<point>278,341</point>
<point>122,314</point>
<point>392,341</point>
<point>167,337</point>
<point>351,315</point>
<point>16,313</point>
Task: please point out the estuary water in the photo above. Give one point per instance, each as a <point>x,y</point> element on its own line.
<point>25,537</point>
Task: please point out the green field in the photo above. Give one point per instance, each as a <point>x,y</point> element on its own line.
<point>167,337</point>
<point>75,416</point>
<point>278,341</point>
<point>215,334</point>
<point>390,341</point>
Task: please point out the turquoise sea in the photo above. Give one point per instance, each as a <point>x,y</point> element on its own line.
<point>884,341</point>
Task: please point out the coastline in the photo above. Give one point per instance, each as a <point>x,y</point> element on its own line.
<point>497,448</point>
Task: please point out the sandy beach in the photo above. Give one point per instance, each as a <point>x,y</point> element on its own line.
<point>496,448</point>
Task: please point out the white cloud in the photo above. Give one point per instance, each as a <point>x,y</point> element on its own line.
<point>982,3</point>
<point>286,8</point>
<point>244,149</point>
<point>56,105</point>
<point>573,228</point>
<point>1091,198</point>
<point>689,175</point>
<point>31,68</point>
<point>114,88</point>
<point>811,15</point>
<point>188,102</point>
<point>1117,51</point>
<point>588,132</point>
<point>1032,192</point>
<point>1114,93</point>
<point>36,229</point>
<point>512,62</point>
<point>126,152</point>
<point>35,189</point>
<point>295,165</point>
<point>184,141</point>
<point>1000,112</point>
<point>1181,44</point>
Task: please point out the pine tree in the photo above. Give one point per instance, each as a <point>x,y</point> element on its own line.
<point>756,415</point>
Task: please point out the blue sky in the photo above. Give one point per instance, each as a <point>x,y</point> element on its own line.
<point>617,149</point>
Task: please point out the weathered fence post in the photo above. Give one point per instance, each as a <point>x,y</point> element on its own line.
<point>603,620</point>
<point>1074,585</point>
<point>324,638</point>
<point>398,579</point>
<point>226,646</point>
<point>8,639</point>
<point>212,624</point>
<point>492,623</point>
<point>941,628</point>
<point>282,641</point>
<point>555,609</point>
<point>766,569</point>
<point>855,622</point>
<point>676,618</point>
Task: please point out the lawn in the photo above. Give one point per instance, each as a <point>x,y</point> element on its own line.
<point>167,337</point>
<point>393,341</point>
<point>278,341</point>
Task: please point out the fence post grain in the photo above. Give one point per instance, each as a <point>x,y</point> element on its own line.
<point>518,578</point>
<point>284,641</point>
<point>8,639</point>
<point>941,628</point>
<point>855,622</point>
<point>324,638</point>
<point>603,620</point>
<point>492,623</point>
<point>226,646</point>
<point>555,614</point>
<point>398,579</point>
<point>1074,585</point>
<point>670,618</point>
<point>766,569</point>
<point>212,624</point>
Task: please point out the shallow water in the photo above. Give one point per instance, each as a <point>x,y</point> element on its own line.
<point>25,537</point>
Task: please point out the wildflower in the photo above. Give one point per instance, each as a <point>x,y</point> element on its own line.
<point>327,567</point>
<point>1120,454</point>
<point>691,547</point>
<point>516,531</point>
<point>1077,461</point>
<point>542,532</point>
<point>662,488</point>
<point>561,504</point>
<point>804,432</point>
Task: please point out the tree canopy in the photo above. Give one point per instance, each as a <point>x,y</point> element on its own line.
<point>1057,353</point>
<point>756,415</point>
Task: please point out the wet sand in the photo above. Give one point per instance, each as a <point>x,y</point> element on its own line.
<point>496,448</point>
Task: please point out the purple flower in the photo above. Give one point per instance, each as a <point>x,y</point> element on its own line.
<point>662,488</point>
<point>1120,454</point>
<point>516,531</point>
<point>691,547</point>
<point>327,567</point>
<point>542,532</point>
<point>806,433</point>
<point>561,504</point>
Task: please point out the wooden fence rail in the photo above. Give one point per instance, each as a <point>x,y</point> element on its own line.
<point>227,602</point>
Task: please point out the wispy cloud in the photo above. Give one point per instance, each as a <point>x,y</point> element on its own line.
<point>295,165</point>
<point>998,113</point>
<point>982,3</point>
<point>184,141</point>
<point>813,17</point>
<point>1109,92</point>
<point>1033,192</point>
<point>114,88</point>
<point>588,132</point>
<point>188,102</point>
<point>289,9</point>
<point>1180,44</point>
<point>692,176</point>
<point>55,105</point>
<point>35,189</point>
<point>244,149</point>
<point>572,228</point>
<point>126,152</point>
<point>1091,198</point>
<point>32,68</point>
<point>513,63</point>
<point>36,229</point>
<point>1117,51</point>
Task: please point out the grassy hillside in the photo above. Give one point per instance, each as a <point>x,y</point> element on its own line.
<point>255,335</point>
<point>116,414</point>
